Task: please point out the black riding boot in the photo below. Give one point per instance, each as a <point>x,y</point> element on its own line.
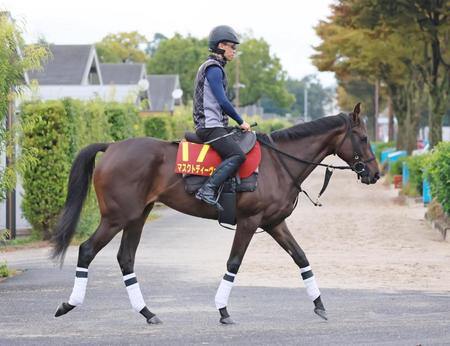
<point>208,192</point>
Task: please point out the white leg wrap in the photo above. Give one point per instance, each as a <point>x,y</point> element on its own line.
<point>79,287</point>
<point>134,292</point>
<point>310,283</point>
<point>224,290</point>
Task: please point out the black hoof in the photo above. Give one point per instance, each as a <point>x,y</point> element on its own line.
<point>63,309</point>
<point>154,320</point>
<point>321,313</point>
<point>226,320</point>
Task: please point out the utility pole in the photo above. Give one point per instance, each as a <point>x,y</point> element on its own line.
<point>11,194</point>
<point>305,99</point>
<point>377,110</point>
<point>237,84</point>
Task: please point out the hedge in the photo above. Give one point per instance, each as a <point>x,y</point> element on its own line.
<point>438,173</point>
<point>45,182</point>
<point>158,126</point>
<point>173,127</point>
<point>417,166</point>
<point>124,120</point>
<point>60,129</point>
<point>397,166</point>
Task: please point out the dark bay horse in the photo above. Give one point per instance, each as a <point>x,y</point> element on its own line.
<point>134,174</point>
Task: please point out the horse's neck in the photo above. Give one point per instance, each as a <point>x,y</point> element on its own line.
<point>311,148</point>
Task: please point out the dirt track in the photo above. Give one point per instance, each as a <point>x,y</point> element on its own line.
<point>360,238</point>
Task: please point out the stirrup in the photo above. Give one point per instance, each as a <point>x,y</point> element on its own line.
<point>213,203</point>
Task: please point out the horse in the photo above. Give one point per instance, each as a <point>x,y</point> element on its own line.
<point>134,174</point>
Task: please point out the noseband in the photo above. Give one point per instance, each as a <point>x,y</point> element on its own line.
<point>358,165</point>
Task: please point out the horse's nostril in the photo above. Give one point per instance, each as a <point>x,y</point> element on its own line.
<point>377,175</point>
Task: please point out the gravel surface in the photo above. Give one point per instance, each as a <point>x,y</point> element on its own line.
<point>383,272</point>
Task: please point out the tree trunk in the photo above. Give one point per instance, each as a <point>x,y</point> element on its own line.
<point>376,109</point>
<point>390,120</point>
<point>438,101</point>
<point>400,106</point>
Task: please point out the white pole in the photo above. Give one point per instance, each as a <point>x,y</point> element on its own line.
<point>305,97</point>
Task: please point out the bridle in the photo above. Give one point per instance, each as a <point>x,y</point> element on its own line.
<point>358,165</point>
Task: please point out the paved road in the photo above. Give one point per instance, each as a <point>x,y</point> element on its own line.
<point>179,264</point>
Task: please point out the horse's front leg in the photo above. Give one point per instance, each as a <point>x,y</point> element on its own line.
<point>283,237</point>
<point>244,233</point>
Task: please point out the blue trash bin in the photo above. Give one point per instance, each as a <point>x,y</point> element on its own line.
<point>426,191</point>
<point>405,173</point>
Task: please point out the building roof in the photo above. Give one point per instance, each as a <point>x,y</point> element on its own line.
<point>160,90</point>
<point>122,73</point>
<point>68,65</point>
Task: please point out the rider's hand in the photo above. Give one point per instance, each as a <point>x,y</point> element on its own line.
<point>245,126</point>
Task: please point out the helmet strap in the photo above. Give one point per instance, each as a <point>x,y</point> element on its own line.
<point>219,51</point>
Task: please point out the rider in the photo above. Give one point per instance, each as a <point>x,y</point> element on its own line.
<point>212,108</point>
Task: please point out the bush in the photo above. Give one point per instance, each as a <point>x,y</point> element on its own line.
<point>173,127</point>
<point>45,182</point>
<point>416,165</point>
<point>267,126</point>
<point>397,166</point>
<point>181,122</point>
<point>158,126</point>
<point>4,271</point>
<point>438,173</point>
<point>124,120</point>
<point>59,130</point>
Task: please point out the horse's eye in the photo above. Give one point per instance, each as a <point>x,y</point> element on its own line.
<point>364,139</point>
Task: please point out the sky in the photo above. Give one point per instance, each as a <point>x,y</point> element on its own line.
<point>287,25</point>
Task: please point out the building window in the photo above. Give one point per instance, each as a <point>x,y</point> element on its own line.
<point>93,76</point>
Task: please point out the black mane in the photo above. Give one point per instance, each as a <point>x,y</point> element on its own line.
<point>311,128</point>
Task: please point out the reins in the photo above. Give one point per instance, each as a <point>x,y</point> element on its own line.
<point>358,165</point>
<point>329,168</point>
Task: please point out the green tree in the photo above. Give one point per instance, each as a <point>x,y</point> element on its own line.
<point>429,22</point>
<point>355,51</point>
<point>179,55</point>
<point>153,45</point>
<point>318,98</point>
<point>122,47</point>
<point>261,73</point>
<point>15,60</point>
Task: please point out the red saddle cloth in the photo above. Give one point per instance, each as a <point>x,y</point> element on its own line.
<point>202,159</point>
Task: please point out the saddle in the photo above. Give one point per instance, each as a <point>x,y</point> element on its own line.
<point>196,161</point>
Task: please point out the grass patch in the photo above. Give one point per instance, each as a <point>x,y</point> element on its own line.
<point>153,216</point>
<point>4,270</point>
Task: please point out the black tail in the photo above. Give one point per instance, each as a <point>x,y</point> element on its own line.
<point>79,182</point>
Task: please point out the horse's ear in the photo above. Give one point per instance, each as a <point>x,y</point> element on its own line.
<point>356,111</point>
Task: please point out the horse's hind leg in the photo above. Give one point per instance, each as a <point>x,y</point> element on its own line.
<point>126,255</point>
<point>87,251</point>
<point>283,237</point>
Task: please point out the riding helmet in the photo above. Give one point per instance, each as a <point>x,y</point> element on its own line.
<point>222,33</point>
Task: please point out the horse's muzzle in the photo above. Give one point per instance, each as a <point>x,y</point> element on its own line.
<point>369,179</point>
